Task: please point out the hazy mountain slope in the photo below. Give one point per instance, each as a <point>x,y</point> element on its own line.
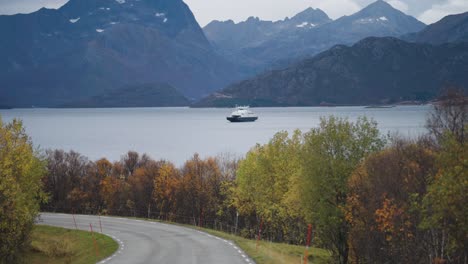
<point>144,95</point>
<point>53,57</point>
<point>453,28</point>
<point>373,71</point>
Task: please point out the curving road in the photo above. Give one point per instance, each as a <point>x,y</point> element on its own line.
<point>151,242</point>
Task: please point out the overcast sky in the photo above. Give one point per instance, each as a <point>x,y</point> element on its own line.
<point>428,11</point>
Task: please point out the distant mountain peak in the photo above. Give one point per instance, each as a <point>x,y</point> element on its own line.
<point>380,3</point>
<point>311,15</point>
<point>379,7</point>
<point>252,19</point>
<point>311,10</point>
<point>382,12</point>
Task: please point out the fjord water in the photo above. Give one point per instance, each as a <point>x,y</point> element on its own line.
<point>175,134</point>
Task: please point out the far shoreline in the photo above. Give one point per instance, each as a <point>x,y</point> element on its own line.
<point>219,107</point>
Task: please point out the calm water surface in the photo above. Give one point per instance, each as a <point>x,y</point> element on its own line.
<point>175,134</point>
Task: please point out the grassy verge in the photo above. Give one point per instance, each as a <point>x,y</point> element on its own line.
<point>57,245</point>
<point>275,253</point>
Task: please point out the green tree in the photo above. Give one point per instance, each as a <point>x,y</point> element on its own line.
<point>447,213</point>
<point>266,186</point>
<point>21,170</point>
<point>331,153</point>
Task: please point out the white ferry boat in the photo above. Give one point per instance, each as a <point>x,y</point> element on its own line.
<point>242,114</point>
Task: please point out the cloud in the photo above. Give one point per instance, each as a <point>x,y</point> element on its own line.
<point>438,11</point>
<point>27,6</point>
<point>403,7</point>
<point>428,11</point>
<point>338,8</point>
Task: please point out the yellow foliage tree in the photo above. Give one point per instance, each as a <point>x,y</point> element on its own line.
<point>21,171</point>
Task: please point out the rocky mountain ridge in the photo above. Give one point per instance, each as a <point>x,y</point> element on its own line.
<point>452,28</point>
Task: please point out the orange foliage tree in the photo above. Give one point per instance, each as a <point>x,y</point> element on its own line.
<point>384,205</point>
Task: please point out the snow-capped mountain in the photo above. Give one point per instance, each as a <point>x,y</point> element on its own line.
<point>231,36</point>
<point>379,19</point>
<point>88,47</point>
<point>304,37</point>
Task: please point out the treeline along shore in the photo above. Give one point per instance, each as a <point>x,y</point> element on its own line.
<point>369,198</point>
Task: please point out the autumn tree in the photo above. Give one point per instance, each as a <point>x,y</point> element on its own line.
<point>331,153</point>
<point>449,115</point>
<point>21,170</point>
<point>199,189</point>
<point>97,172</point>
<point>165,192</point>
<point>446,214</point>
<point>65,173</point>
<point>132,161</point>
<point>141,184</point>
<point>384,204</point>
<point>114,191</point>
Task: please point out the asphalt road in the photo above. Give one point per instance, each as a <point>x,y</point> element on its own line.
<point>151,242</point>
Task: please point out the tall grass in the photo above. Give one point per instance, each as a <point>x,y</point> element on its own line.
<point>57,245</point>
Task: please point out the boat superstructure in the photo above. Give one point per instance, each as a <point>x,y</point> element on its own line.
<point>242,114</point>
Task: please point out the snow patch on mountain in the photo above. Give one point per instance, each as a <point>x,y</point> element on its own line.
<point>371,20</point>
<point>306,25</point>
<point>74,20</point>
<point>99,30</point>
<point>120,1</point>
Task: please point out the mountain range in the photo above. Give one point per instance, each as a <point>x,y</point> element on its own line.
<point>87,47</point>
<point>260,44</point>
<point>373,71</point>
<point>111,53</point>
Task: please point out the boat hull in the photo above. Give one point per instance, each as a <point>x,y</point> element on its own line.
<point>241,119</point>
